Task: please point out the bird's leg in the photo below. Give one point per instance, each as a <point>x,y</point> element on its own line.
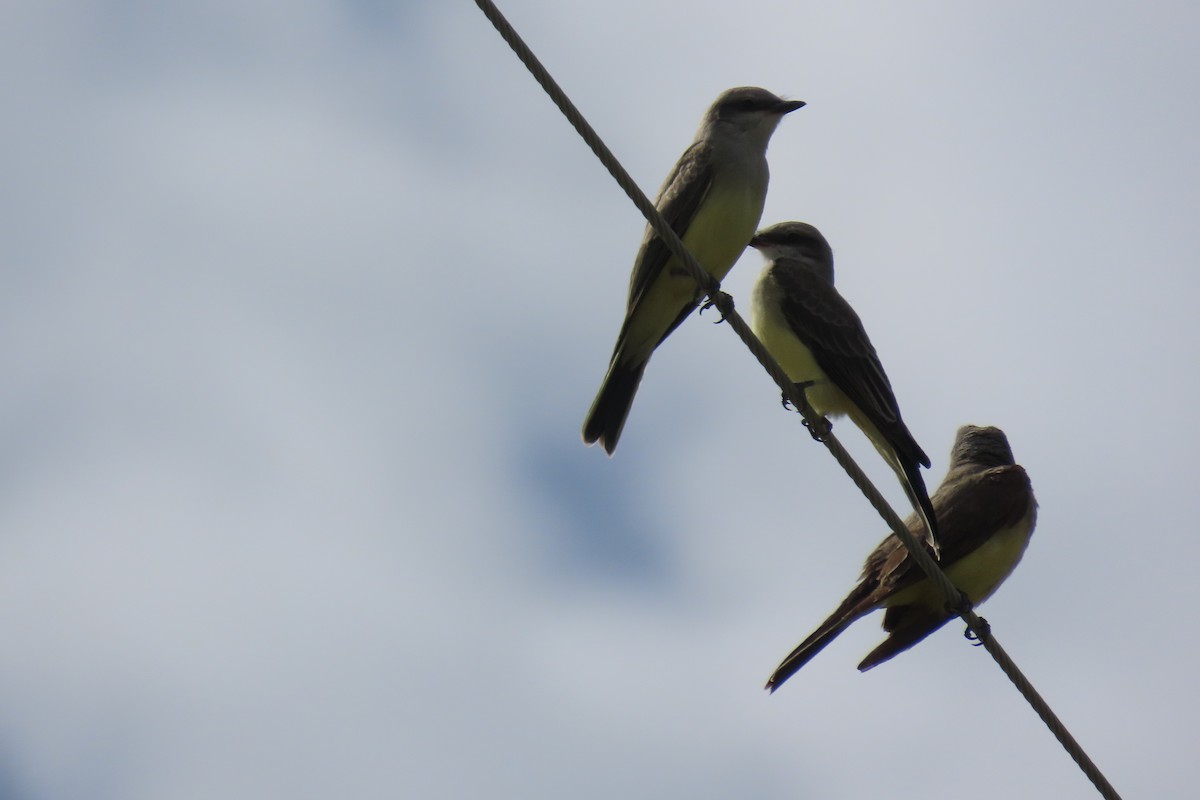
<point>817,431</point>
<point>800,387</point>
<point>977,634</point>
<point>976,639</point>
<point>820,430</point>
<point>722,301</point>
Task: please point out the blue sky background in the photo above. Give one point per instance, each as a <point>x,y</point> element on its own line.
<point>301,309</point>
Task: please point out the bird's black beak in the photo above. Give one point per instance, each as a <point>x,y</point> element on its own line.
<point>788,106</point>
<point>757,242</point>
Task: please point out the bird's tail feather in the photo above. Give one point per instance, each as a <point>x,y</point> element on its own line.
<point>902,638</point>
<point>851,609</point>
<point>606,418</point>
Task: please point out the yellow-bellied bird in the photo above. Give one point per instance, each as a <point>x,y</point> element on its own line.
<point>713,200</point>
<point>987,512</point>
<point>821,344</point>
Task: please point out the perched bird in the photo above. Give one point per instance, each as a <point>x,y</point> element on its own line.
<point>821,344</point>
<point>987,512</point>
<point>713,199</point>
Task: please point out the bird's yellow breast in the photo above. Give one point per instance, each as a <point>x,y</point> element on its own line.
<point>978,573</point>
<point>717,235</point>
<point>769,325</point>
<point>723,226</point>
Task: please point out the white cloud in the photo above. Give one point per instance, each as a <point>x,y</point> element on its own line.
<point>303,311</point>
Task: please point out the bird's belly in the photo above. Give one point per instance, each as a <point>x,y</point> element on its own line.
<point>797,361</point>
<point>722,227</point>
<point>979,573</point>
<point>717,235</point>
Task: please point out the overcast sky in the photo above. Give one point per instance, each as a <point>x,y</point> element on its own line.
<point>301,308</point>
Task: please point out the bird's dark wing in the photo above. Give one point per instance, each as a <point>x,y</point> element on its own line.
<point>678,200</point>
<point>823,320</point>
<point>856,604</point>
<point>971,507</point>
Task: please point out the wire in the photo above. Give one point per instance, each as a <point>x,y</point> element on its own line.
<point>955,599</point>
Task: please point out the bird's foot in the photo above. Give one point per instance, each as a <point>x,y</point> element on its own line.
<point>800,387</point>
<point>722,302</point>
<point>978,638</point>
<point>820,430</point>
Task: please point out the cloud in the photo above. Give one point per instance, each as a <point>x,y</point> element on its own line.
<point>302,313</point>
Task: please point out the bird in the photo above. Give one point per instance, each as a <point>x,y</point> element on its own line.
<point>821,343</point>
<point>987,512</point>
<point>713,199</point>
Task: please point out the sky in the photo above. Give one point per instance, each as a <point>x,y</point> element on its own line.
<point>301,309</point>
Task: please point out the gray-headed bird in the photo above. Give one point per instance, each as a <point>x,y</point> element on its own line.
<point>987,513</point>
<point>821,344</point>
<point>713,199</point>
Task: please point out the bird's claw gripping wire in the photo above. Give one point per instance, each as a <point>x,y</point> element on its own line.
<point>800,387</point>
<point>721,301</point>
<point>819,430</point>
<point>976,639</point>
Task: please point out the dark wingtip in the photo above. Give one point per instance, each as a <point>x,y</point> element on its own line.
<point>919,493</point>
